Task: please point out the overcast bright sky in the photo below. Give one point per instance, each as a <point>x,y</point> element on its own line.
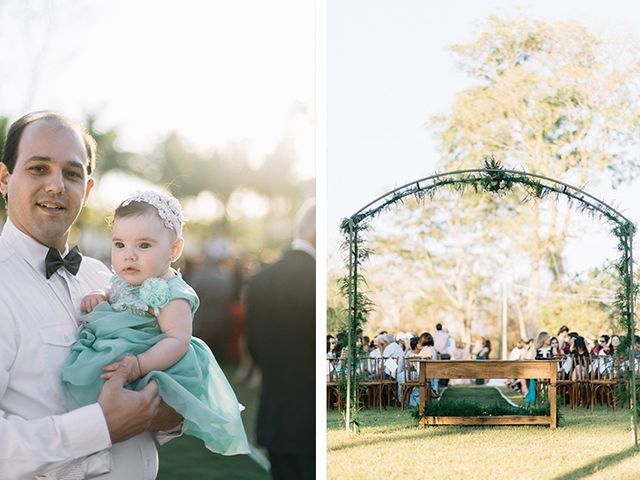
<point>389,71</point>
<point>215,71</point>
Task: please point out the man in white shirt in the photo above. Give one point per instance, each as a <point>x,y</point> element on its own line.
<point>441,341</point>
<point>518,351</point>
<point>394,354</point>
<point>45,180</point>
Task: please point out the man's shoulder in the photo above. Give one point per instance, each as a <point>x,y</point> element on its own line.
<point>94,264</point>
<point>94,272</point>
<point>291,263</point>
<point>6,251</point>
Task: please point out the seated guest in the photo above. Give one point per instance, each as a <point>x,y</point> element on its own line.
<point>414,348</point>
<point>392,351</point>
<point>366,344</point>
<point>614,344</point>
<point>331,346</point>
<point>601,346</point>
<point>580,356</point>
<point>428,351</point>
<point>554,348</point>
<point>543,345</point>
<point>571,338</point>
<point>563,338</point>
<point>376,351</point>
<point>518,350</point>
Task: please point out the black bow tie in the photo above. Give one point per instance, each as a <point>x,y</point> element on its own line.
<point>54,261</point>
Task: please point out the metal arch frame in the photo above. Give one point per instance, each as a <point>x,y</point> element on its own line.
<point>491,175</point>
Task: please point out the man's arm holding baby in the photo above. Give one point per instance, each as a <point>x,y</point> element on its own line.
<point>175,321</point>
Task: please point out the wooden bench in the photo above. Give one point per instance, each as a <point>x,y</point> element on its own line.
<point>538,369</point>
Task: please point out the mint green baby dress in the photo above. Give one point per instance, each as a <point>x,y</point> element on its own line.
<point>195,386</point>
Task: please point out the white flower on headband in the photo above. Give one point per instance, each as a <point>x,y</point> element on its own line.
<point>168,207</point>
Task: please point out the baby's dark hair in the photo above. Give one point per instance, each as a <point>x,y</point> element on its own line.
<point>133,209</point>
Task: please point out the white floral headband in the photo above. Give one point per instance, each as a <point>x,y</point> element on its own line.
<point>168,207</point>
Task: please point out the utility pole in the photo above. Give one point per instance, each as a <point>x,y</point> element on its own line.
<point>503,322</point>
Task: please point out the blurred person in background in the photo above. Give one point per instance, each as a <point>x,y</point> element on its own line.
<point>441,342</point>
<point>563,338</point>
<point>518,351</point>
<point>281,312</point>
<point>331,346</point>
<point>602,345</point>
<point>214,284</point>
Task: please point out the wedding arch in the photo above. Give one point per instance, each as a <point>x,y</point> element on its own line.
<point>495,179</point>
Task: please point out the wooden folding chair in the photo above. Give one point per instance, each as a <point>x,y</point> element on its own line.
<point>371,372</point>
<point>389,382</point>
<point>564,383</point>
<point>334,393</point>
<point>580,377</point>
<point>411,371</point>
<point>603,380</point>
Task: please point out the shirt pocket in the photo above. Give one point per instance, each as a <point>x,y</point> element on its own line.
<point>57,341</point>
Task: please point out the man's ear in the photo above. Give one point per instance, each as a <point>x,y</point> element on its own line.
<point>176,249</point>
<point>90,184</point>
<point>4,179</point>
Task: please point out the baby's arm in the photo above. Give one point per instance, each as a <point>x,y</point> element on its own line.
<point>175,322</point>
<point>90,301</point>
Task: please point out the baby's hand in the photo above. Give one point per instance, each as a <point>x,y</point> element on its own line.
<point>131,365</point>
<point>89,302</point>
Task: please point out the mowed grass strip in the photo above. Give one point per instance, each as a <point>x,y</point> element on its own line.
<point>589,445</point>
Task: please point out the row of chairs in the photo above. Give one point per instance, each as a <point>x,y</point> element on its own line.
<point>586,381</point>
<point>378,381</point>
<point>582,381</point>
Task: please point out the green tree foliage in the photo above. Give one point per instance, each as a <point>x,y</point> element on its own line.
<point>552,98</point>
<point>337,308</point>
<point>439,261</point>
<point>110,156</point>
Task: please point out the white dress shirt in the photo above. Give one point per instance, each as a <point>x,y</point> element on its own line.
<point>441,341</point>
<point>395,352</point>
<point>39,438</point>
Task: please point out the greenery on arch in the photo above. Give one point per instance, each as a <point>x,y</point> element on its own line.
<point>496,180</point>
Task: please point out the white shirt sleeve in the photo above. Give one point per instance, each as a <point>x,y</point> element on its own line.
<point>32,446</point>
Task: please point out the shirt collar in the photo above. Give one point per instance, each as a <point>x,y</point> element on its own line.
<point>25,246</point>
<point>304,246</point>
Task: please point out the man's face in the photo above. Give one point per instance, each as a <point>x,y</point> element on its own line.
<point>49,184</point>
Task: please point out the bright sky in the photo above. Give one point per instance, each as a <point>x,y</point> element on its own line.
<point>389,71</point>
<point>215,71</point>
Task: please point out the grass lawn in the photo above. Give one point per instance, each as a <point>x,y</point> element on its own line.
<point>589,444</point>
<point>187,458</point>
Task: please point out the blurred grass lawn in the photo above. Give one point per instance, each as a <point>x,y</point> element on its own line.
<point>187,458</point>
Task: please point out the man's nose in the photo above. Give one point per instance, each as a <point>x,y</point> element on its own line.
<point>55,182</point>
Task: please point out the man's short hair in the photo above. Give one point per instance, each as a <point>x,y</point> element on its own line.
<point>10,151</point>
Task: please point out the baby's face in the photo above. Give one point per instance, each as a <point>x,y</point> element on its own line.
<point>142,247</point>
